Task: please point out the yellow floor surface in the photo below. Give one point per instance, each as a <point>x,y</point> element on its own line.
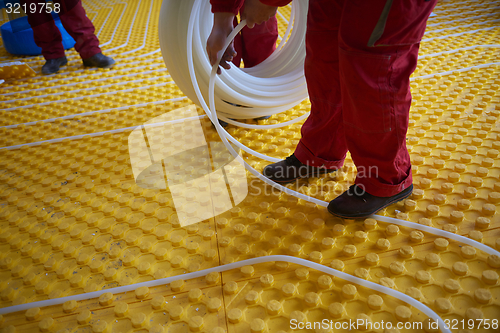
<point>75,220</point>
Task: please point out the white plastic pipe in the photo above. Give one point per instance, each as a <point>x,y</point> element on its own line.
<point>93,80</point>
<point>254,261</point>
<point>71,116</point>
<point>116,68</point>
<point>274,86</point>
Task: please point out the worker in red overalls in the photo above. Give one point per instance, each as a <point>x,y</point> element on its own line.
<point>48,37</point>
<point>359,58</point>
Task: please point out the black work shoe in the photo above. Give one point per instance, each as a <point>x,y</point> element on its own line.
<point>291,169</point>
<point>52,65</point>
<point>356,203</point>
<point>99,60</point>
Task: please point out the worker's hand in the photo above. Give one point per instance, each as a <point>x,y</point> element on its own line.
<point>223,25</point>
<point>255,12</point>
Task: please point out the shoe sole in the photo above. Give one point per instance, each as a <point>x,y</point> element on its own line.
<point>61,65</point>
<point>92,66</point>
<point>294,179</point>
<point>359,216</point>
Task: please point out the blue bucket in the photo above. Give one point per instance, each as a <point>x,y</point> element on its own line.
<point>18,37</point>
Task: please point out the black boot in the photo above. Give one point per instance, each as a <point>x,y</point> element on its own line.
<point>99,60</point>
<point>356,203</point>
<point>291,169</point>
<point>52,65</point>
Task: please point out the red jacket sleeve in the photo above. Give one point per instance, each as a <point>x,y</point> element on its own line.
<point>230,6</point>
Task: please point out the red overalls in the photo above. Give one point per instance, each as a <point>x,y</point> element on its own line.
<point>360,55</point>
<point>77,24</point>
<point>359,58</point>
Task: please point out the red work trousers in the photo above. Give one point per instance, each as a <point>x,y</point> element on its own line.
<point>257,44</point>
<point>73,18</point>
<point>360,55</point>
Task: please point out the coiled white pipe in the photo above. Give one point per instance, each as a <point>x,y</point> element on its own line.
<point>274,86</point>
